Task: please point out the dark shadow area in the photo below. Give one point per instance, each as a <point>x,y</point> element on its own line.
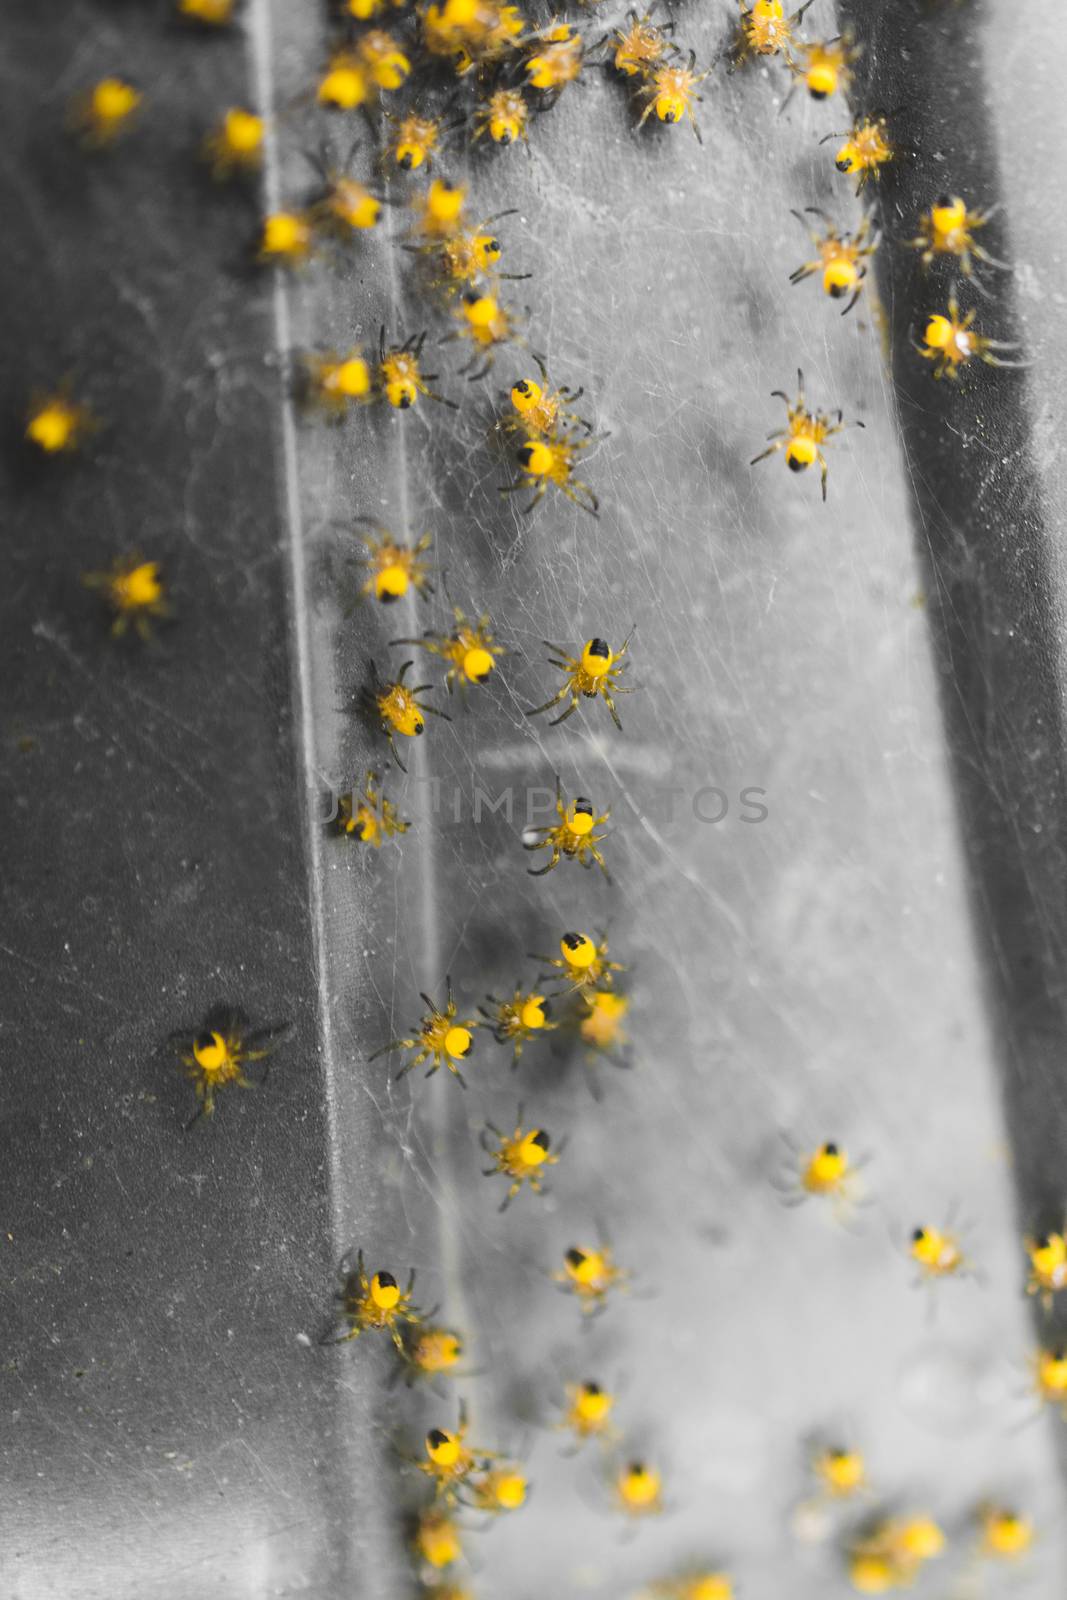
<point>984,539</point>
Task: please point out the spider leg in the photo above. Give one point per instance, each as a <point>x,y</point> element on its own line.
<point>825,470</point>
<point>555,700</point>
<point>394,1044</point>
<point>571,709</point>
<point>539,872</point>
<point>772,450</point>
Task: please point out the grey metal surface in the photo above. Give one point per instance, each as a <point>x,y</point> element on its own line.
<point>812,974</point>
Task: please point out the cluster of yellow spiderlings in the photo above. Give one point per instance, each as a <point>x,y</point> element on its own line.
<point>473,38</point>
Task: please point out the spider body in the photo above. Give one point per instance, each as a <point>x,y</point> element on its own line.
<point>399,378</point>
<point>209,13</point>
<point>804,434</point>
<point>600,1025</point>
<point>588,1412</point>
<point>841,1473</point>
<point>950,341</point>
<point>1004,1534</point>
<point>573,837</point>
<point>764,29</point>
<point>375,1304</point>
<point>1047,1259</point>
<point>840,260</point>
<point>437,1538</point>
<point>104,113</point>
<point>893,1554</point>
<point>503,118</point>
<point>57,424</point>
<point>937,1253</point>
<point>286,239</point>
<point>555,61</point>
<point>540,412</point>
<point>414,141</point>
<point>637,49</point>
<point>520,1156</point>
<point>470,650</point>
<point>334,382</point>
<point>430,1352</point>
<point>502,1488</point>
<point>449,1461</point>
<point>670,92</point>
<point>134,593</point>
<point>582,963</point>
<point>369,817</point>
<point>395,568</point>
<point>384,60</point>
<point>235,145</point>
<point>437,213</point>
<point>441,1038</point>
<point>948,229</point>
<point>639,1490</point>
<point>515,1021</point>
<point>399,711</point>
<point>1050,1376</point>
<point>471,33</point>
<point>218,1054</point>
<point>825,67</point>
<point>594,673</point>
<point>487,325</point>
<point>590,1275</point>
<point>867,148</point>
<point>345,85</point>
<point>696,1586</point>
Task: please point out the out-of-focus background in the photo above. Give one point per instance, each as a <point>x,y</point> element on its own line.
<point>877,959</point>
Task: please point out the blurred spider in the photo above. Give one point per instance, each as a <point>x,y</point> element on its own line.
<point>552,460</point>
<point>134,593</point>
<point>596,671</point>
<point>437,1538</point>
<point>471,33</point>
<point>540,412</point>
<point>235,145</point>
<point>57,423</point>
<point>413,141</point>
<point>574,836</point>
<point>386,63</point>
<point>503,118</point>
<point>346,84</point>
<point>346,206</point>
<point>590,1275</point>
<point>218,1054</point>
<point>394,567</point>
<point>841,258</point>
<point>804,434</point>
<point>209,13</point>
<point>938,1253</point>
<point>640,46</point>
<point>763,29</point>
<point>487,325</point>
<point>825,67</point>
<point>439,1039</point>
<point>1050,1376</point>
<point>555,61</point>
<point>399,377</point>
<point>639,1490</point>
<point>841,1473</point>
<point>824,1173</point>
<point>332,382</point>
<point>470,650</point>
<point>374,1304</point>
<point>104,113</point>
<point>892,1555</point>
<point>399,711</point>
<point>521,1156</point>
<point>437,213</point>
<point>951,341</point>
<point>518,1019</point>
<point>866,150</point>
<point>1004,1534</point>
<point>588,1412</point>
<point>286,239</point>
<point>502,1488</point>
<point>582,963</point>
<point>948,229</point>
<point>450,1461</point>
<point>429,1352</point>
<point>464,259</point>
<point>369,817</point>
<point>1047,1257</point>
<point>600,1025</point>
<point>695,1586</point>
<point>670,92</point>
